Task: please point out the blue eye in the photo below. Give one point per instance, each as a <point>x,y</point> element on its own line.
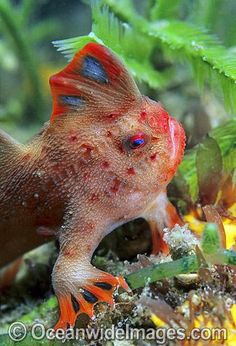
<point>137,141</point>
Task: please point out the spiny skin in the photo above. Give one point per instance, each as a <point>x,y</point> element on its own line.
<point>82,178</point>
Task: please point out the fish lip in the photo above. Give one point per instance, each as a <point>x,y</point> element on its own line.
<point>177,136</point>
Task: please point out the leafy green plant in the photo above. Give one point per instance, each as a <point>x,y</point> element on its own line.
<point>122,39</point>
<point>134,38</point>
<point>206,167</point>
<point>182,40</point>
<point>22,36</point>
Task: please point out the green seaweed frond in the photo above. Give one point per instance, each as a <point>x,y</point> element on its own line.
<point>23,35</point>
<point>133,49</point>
<point>135,40</point>
<point>211,62</point>
<point>165,9</point>
<point>181,40</point>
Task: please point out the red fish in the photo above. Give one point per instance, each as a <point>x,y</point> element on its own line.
<point>104,159</point>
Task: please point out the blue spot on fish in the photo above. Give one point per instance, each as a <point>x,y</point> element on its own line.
<point>74,101</point>
<point>92,69</point>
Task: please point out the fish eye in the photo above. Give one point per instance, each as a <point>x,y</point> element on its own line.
<point>137,141</point>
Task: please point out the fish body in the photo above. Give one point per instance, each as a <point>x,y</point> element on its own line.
<point>105,158</point>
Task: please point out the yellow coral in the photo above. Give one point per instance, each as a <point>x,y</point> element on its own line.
<point>200,322</point>
<point>197,226</point>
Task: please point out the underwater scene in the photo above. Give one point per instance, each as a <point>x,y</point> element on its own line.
<point>118,172</point>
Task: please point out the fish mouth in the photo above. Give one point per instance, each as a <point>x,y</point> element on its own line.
<point>177,136</point>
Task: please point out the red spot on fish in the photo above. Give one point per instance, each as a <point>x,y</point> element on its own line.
<point>68,253</point>
<point>105,165</point>
<point>109,134</point>
<point>73,138</point>
<point>143,116</point>
<point>121,149</point>
<point>153,156</point>
<point>115,185</point>
<point>56,167</point>
<point>27,157</point>
<point>113,116</point>
<point>94,197</point>
<point>86,147</point>
<point>86,151</point>
<point>131,171</point>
